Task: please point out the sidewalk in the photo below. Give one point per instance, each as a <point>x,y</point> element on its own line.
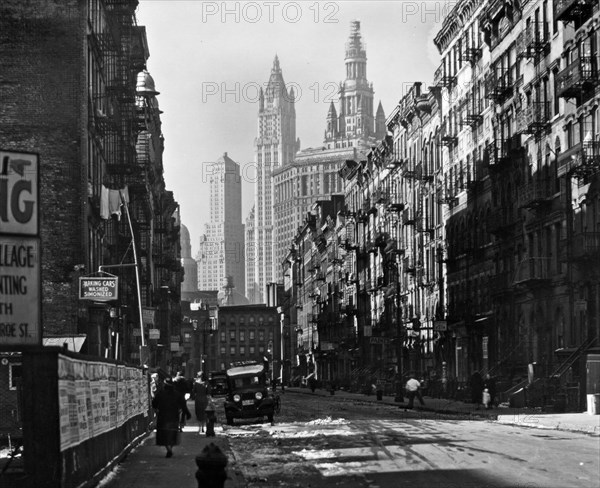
<point>525,417</point>
<point>146,465</point>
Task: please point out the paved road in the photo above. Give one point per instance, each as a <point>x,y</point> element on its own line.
<point>327,441</point>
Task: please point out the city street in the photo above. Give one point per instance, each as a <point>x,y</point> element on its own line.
<point>320,441</point>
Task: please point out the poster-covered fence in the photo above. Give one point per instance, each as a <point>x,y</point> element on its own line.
<point>79,414</point>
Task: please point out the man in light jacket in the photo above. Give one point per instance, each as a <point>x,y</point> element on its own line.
<point>413,389</point>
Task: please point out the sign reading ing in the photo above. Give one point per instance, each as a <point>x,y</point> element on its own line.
<point>19,193</point>
<point>103,289</point>
<point>20,284</point>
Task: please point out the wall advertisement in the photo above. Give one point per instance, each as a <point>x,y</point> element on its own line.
<point>97,397</point>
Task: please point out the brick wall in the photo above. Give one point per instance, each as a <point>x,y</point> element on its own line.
<point>42,90</point>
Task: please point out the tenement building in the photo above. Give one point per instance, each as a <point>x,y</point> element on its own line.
<point>522,293</point>
<point>275,147</point>
<point>78,95</point>
<point>469,240</point>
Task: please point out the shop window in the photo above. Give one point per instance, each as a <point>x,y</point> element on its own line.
<point>15,373</point>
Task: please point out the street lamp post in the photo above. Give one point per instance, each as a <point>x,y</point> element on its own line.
<point>395,266</point>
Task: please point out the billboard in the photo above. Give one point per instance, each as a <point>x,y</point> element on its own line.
<point>20,282</point>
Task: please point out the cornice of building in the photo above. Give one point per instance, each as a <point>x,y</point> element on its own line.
<point>455,20</point>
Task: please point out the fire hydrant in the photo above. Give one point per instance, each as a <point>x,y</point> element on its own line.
<point>211,464</point>
<point>211,418</point>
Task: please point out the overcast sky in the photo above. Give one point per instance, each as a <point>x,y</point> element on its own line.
<point>208,59</point>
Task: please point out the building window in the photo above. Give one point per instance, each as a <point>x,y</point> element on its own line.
<point>15,373</point>
<point>223,336</point>
<point>242,335</point>
<point>232,335</point>
<point>242,350</point>
<point>252,350</point>
<point>251,335</point>
<point>223,350</point>
<point>232,350</point>
<point>261,335</point>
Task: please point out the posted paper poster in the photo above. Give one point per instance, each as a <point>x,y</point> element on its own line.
<point>97,397</point>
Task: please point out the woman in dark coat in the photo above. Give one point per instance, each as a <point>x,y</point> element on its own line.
<point>169,403</point>
<point>200,392</point>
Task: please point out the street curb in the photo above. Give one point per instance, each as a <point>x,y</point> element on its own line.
<point>560,426</point>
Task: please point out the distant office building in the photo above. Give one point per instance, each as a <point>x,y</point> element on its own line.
<point>221,252</point>
<point>248,333</point>
<point>275,147</point>
<point>190,267</point>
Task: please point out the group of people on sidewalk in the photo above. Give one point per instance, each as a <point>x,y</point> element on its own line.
<point>169,399</point>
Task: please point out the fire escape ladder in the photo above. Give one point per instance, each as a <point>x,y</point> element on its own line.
<point>574,356</point>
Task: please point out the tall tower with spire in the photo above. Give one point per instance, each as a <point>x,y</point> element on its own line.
<point>274,147</point>
<point>350,131</point>
<point>354,122</point>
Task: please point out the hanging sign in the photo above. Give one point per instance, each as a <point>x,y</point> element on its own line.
<point>99,289</point>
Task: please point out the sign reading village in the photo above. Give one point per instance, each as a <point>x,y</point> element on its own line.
<point>20,284</point>
<point>101,289</point>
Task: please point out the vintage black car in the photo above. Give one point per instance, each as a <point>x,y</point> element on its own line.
<point>248,394</point>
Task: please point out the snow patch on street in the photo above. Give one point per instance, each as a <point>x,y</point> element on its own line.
<point>296,430</point>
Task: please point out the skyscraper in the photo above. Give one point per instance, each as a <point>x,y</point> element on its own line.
<point>190,267</point>
<point>354,122</point>
<point>221,253</point>
<point>351,130</point>
<point>275,147</point>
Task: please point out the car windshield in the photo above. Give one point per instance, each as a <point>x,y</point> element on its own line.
<point>247,381</point>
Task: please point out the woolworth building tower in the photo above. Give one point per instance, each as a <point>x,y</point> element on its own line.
<point>275,147</point>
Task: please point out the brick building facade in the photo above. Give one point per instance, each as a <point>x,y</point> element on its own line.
<point>68,92</point>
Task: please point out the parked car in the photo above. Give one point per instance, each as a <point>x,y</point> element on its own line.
<point>248,394</point>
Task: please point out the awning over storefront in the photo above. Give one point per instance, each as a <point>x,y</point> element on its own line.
<point>73,342</point>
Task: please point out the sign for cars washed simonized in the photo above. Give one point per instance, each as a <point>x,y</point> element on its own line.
<point>20,284</point>
<point>99,289</point>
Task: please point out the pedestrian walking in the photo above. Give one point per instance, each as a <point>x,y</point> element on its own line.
<point>476,384</point>
<point>201,393</point>
<point>155,384</point>
<point>169,404</point>
<point>413,389</point>
<point>182,387</point>
<point>490,384</point>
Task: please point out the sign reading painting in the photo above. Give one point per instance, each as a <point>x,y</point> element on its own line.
<point>19,193</point>
<point>20,291</point>
<point>103,289</point>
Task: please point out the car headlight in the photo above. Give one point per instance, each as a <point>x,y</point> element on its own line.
<point>236,398</point>
<point>258,395</point>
